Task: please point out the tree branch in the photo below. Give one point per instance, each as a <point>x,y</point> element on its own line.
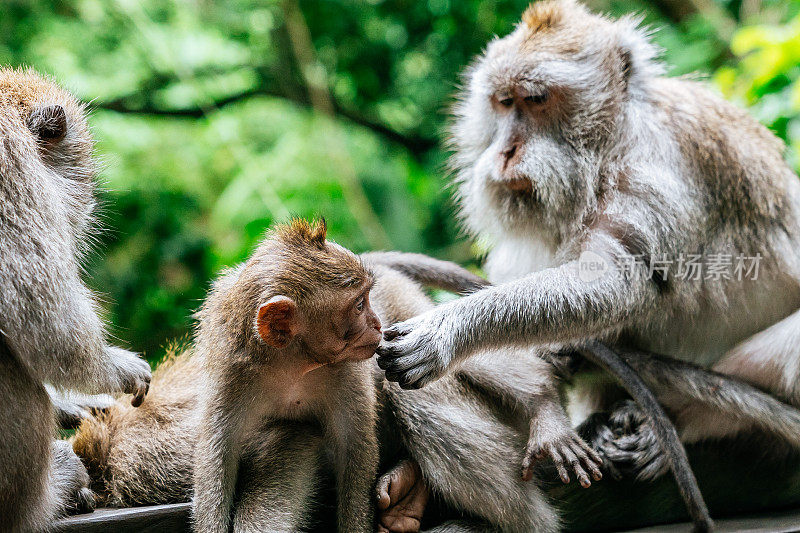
<point>416,145</point>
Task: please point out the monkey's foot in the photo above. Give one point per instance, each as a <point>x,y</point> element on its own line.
<point>627,441</point>
<point>70,480</point>
<point>402,496</point>
<point>568,452</point>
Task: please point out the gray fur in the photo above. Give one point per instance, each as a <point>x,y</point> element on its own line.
<point>621,162</point>
<point>49,326</point>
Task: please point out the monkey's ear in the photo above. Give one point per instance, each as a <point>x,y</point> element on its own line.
<point>638,55</point>
<point>278,321</point>
<point>48,123</point>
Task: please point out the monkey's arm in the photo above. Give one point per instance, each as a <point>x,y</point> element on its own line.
<point>279,474</point>
<point>553,305</point>
<point>352,434</point>
<point>216,461</point>
<point>47,314</point>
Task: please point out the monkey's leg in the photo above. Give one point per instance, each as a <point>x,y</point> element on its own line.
<point>705,404</point>
<point>519,380</point>
<point>468,457</point>
<point>69,480</point>
<point>769,359</point>
<point>278,476</point>
<point>216,459</point>
<point>40,478</point>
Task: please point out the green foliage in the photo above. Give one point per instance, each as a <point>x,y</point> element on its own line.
<point>216,119</point>
<point>767,77</point>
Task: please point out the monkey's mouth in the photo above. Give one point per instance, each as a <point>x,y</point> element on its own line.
<point>518,185</point>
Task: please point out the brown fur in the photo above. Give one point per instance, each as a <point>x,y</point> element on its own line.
<point>131,453</point>
<point>281,343</point>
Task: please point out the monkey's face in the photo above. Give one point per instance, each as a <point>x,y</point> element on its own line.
<point>532,124</point>
<point>356,328</point>
<point>337,326</point>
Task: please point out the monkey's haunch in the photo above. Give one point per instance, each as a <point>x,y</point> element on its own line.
<point>668,439</point>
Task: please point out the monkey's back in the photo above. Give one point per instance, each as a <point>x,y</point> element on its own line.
<point>143,456</point>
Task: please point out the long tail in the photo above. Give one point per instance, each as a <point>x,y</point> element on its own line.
<point>668,439</point>
<point>429,271</point>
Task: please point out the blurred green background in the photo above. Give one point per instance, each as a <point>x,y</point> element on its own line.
<point>216,118</point>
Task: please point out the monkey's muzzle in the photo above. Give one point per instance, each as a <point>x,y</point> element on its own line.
<point>518,185</point>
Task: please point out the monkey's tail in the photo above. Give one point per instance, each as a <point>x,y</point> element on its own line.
<point>671,445</point>
<point>429,271</point>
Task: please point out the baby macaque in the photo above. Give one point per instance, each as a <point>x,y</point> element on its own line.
<point>285,341</point>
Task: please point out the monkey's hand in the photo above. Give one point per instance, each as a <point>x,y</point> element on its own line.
<point>133,373</point>
<point>72,407</point>
<point>629,444</point>
<point>401,498</point>
<point>418,351</point>
<point>567,450</point>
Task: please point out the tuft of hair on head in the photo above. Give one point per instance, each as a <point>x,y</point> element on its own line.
<point>548,14</point>
<point>301,232</point>
<point>309,262</point>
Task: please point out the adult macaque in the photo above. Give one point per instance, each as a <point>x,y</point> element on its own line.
<point>572,148</point>
<point>49,328</point>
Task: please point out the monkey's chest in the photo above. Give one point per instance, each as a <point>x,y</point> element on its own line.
<point>294,400</point>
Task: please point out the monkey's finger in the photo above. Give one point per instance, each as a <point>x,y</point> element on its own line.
<point>586,461</point>
<point>593,456</point>
<point>418,377</point>
<point>141,392</point>
<point>575,465</point>
<point>394,331</point>
<point>558,461</point>
<point>382,492</point>
<point>527,464</point>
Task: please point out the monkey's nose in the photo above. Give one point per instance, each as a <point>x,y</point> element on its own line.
<point>510,155</point>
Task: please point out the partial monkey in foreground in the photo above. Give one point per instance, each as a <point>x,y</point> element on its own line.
<point>572,147</point>
<point>50,332</point>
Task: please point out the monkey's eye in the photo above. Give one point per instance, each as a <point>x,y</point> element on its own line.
<point>539,98</point>
<point>360,305</point>
<point>506,102</point>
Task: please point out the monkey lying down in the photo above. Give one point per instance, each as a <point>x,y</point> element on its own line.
<point>278,389</point>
